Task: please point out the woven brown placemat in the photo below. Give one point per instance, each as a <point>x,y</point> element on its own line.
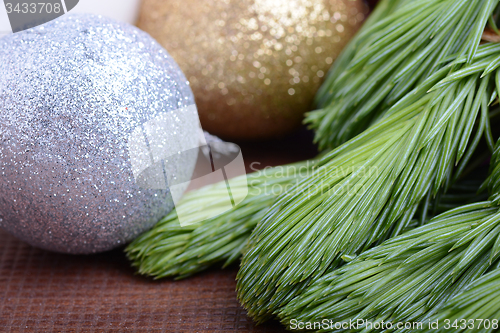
<point>42,291</point>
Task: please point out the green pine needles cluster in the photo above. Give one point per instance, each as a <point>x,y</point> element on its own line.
<point>172,250</point>
<point>478,302</point>
<point>391,57</point>
<point>411,277</point>
<point>412,151</point>
<point>382,227</point>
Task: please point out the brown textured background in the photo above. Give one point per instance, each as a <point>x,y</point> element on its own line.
<point>42,291</point>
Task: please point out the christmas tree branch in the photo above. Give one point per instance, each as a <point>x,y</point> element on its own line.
<point>413,277</point>
<point>391,56</point>
<point>411,152</point>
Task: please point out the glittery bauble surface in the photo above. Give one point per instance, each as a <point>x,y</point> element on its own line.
<point>72,93</point>
<point>254,65</point>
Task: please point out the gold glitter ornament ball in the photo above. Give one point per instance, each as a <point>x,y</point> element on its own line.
<point>254,65</point>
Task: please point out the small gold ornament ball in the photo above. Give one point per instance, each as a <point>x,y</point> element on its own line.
<point>254,65</point>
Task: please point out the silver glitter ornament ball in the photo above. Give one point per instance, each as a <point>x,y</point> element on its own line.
<point>94,117</point>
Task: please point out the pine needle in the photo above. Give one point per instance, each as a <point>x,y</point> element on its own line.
<point>419,276</point>
<point>476,309</point>
<point>408,278</point>
<point>404,43</point>
<point>368,189</point>
<point>383,9</point>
